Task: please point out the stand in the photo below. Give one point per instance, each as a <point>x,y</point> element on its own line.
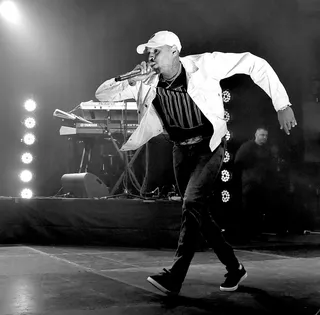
<point>127,166</point>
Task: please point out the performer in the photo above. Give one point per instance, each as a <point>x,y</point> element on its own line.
<point>183,96</point>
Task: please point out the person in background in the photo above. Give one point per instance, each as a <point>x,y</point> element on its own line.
<point>182,95</point>
<point>253,165</point>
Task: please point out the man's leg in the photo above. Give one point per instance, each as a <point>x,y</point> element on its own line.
<point>200,186</point>
<point>183,165</point>
<point>197,218</point>
<point>205,167</point>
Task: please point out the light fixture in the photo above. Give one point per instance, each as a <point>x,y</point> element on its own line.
<point>26,158</point>
<point>26,193</point>
<point>26,176</point>
<point>226,96</point>
<point>30,105</point>
<point>228,135</point>
<point>29,138</point>
<point>30,122</point>
<point>226,157</point>
<point>225,195</point>
<point>226,116</point>
<point>225,175</point>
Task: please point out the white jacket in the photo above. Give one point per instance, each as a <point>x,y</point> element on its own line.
<point>204,73</point>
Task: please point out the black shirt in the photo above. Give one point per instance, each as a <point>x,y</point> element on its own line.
<point>181,117</point>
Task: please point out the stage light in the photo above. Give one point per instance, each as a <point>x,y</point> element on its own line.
<point>30,105</point>
<point>225,175</point>
<point>226,157</point>
<point>26,176</point>
<point>26,158</point>
<point>228,135</point>
<point>225,195</point>
<point>226,116</point>
<point>226,96</point>
<point>30,122</point>
<point>9,11</point>
<point>29,139</point>
<point>26,193</point>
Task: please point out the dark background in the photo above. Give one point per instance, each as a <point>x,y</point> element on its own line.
<point>64,49</point>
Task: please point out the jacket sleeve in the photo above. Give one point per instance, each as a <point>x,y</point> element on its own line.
<point>260,71</point>
<point>112,91</point>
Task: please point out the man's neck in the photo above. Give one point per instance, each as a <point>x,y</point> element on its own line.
<point>176,69</point>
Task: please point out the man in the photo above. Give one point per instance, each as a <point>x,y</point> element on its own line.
<point>182,95</point>
<point>254,171</point>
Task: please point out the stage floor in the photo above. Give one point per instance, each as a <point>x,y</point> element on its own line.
<point>100,280</point>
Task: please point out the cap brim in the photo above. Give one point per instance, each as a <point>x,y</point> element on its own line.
<point>141,49</point>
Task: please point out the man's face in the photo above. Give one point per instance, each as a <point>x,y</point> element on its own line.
<point>161,58</point>
<point>261,136</point>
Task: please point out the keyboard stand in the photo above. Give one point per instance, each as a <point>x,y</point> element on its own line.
<point>124,176</point>
<point>127,171</point>
<point>86,155</point>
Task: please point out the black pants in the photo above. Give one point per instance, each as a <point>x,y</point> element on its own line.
<point>256,207</point>
<point>196,170</point>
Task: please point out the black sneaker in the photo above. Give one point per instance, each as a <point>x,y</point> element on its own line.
<point>165,282</point>
<point>233,278</point>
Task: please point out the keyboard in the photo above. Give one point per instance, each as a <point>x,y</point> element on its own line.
<point>83,129</point>
<point>130,106</point>
<point>115,112</point>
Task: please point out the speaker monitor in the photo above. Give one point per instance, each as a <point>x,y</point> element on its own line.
<point>84,185</point>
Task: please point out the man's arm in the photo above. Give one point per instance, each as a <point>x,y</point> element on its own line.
<point>262,74</point>
<point>114,91</point>
<point>111,90</point>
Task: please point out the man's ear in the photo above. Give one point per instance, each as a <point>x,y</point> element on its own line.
<point>174,49</point>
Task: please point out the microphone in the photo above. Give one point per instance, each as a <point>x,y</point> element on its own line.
<point>132,73</point>
<point>128,75</point>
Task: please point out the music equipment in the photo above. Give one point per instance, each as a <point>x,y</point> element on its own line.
<point>91,130</point>
<point>84,185</point>
<point>101,122</point>
<point>114,112</point>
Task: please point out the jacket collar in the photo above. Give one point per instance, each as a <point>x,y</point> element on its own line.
<point>189,64</point>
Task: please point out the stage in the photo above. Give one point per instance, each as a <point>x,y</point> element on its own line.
<point>90,221</point>
<point>81,256</point>
<point>148,223</point>
<point>101,280</point>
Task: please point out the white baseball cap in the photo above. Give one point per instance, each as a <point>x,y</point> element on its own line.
<point>160,39</point>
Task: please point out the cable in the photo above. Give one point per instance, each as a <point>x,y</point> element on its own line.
<point>74,109</point>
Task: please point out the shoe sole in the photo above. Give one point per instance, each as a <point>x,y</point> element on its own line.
<point>235,287</point>
<point>160,287</point>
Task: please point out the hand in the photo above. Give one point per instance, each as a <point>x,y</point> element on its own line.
<point>146,72</point>
<point>286,119</point>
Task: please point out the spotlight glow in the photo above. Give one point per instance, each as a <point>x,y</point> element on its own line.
<point>30,105</point>
<point>26,193</point>
<point>26,158</point>
<point>9,11</point>
<point>30,122</point>
<point>29,139</point>
<point>26,176</point>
